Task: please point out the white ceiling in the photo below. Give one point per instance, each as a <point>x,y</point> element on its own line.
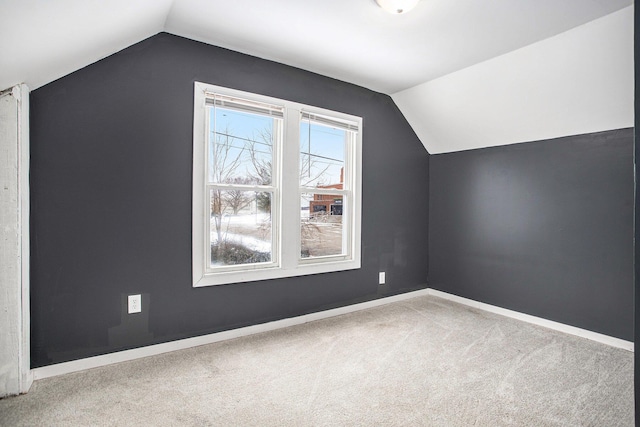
<point>351,40</point>
<point>578,82</point>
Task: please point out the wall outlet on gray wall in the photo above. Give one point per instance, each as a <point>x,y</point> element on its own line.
<point>135,303</point>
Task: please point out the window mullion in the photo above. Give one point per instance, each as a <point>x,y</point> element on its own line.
<point>290,232</point>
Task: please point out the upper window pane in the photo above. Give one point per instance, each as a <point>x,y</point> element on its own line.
<point>322,151</point>
<point>240,146</point>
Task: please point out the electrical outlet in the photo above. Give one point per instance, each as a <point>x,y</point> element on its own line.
<point>135,304</point>
<point>381,278</point>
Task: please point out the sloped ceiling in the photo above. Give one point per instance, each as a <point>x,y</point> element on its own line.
<point>43,40</point>
<point>354,41</point>
<point>578,82</point>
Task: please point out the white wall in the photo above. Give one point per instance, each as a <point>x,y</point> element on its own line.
<point>15,376</point>
<point>578,82</point>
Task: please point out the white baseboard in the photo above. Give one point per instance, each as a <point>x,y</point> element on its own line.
<point>590,335</point>
<point>152,350</point>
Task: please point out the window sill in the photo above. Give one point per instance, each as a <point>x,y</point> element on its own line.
<point>229,277</point>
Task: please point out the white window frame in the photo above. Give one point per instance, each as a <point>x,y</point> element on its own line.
<point>287,191</point>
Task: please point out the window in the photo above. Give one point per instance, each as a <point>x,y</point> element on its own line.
<point>276,188</point>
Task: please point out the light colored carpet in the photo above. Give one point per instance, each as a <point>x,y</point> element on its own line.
<point>421,362</point>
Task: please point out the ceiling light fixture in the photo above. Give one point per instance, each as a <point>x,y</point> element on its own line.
<point>397,6</point>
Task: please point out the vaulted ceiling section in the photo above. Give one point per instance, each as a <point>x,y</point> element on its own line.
<point>433,61</point>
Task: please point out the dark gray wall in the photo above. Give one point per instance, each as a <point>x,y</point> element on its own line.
<point>544,228</point>
<point>636,258</point>
<point>111,162</point>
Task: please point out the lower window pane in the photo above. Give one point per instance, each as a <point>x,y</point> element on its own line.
<point>321,231</point>
<point>240,227</point>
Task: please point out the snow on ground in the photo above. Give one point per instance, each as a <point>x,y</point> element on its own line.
<point>258,220</point>
<point>247,241</point>
<point>250,242</point>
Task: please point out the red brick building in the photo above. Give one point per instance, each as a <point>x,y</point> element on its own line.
<point>328,203</point>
